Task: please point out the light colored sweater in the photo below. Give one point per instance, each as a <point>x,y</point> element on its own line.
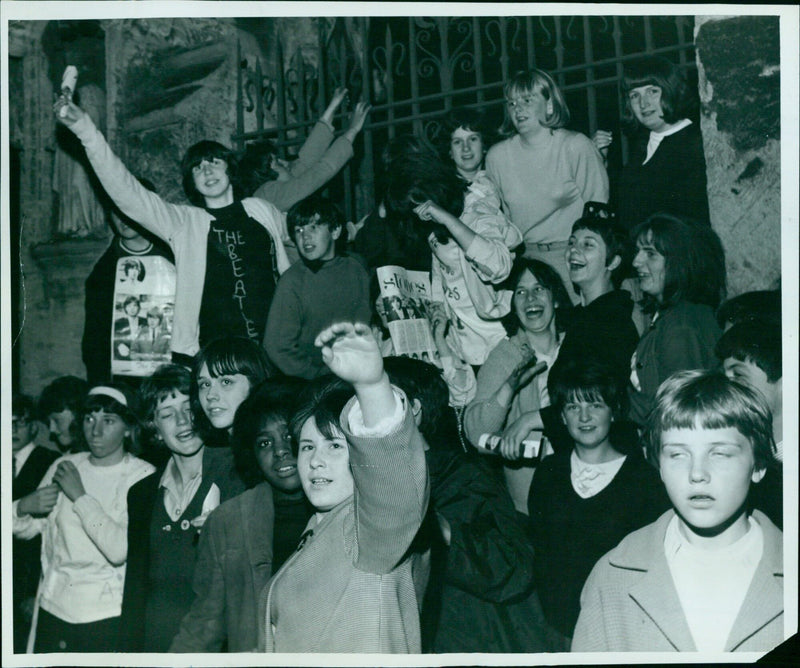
<point>545,185</point>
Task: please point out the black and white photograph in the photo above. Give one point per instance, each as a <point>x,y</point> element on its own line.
<point>229,436</point>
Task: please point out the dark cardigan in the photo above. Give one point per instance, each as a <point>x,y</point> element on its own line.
<point>571,533</point>
<point>142,512</point>
<point>672,181</point>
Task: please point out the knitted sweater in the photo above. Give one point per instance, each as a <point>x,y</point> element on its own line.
<point>307,301</point>
<point>571,533</point>
<point>544,186</point>
<point>84,543</point>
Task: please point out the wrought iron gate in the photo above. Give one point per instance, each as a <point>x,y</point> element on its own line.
<point>414,69</point>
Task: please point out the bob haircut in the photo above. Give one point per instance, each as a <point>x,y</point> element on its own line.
<point>618,242</point>
<point>166,381</point>
<point>208,150</point>
<point>550,279</point>
<point>415,179</point>
<point>320,210</point>
<point>94,403</point>
<point>709,400</point>
<point>131,299</point>
<point>587,380</point>
<point>226,356</point>
<point>64,393</point>
<point>676,100</point>
<point>137,266</point>
<point>526,82</point>
<point>756,342</point>
<point>273,400</point>
<point>323,399</point>
<point>694,261</point>
<point>466,118</point>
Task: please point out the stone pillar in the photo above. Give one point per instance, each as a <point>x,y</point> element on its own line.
<point>738,61</point>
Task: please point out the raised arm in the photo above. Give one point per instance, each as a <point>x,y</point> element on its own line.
<point>387,455</point>
<point>133,199</point>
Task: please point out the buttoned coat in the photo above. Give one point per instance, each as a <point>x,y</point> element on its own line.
<point>630,604</point>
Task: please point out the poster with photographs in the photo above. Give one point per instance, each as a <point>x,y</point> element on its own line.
<point>403,306</point>
<point>144,304</point>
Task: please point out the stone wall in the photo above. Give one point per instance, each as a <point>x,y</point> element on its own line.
<point>739,80</point>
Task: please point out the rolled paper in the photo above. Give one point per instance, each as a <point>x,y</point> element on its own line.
<point>68,83</point>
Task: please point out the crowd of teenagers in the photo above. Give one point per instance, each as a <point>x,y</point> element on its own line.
<point>593,461</point>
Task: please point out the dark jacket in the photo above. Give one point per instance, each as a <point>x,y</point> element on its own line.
<point>672,181</point>
<point>234,562</point>
<point>142,497</point>
<point>681,338</point>
<point>601,331</point>
<point>571,533</point>
<point>480,597</point>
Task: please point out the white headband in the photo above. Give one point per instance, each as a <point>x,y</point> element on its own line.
<point>110,392</point>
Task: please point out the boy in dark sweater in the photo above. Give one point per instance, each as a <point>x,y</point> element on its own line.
<point>325,287</point>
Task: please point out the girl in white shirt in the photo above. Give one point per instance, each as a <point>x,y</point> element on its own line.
<point>80,508</point>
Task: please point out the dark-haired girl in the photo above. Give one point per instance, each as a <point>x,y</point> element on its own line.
<point>587,498</point>
<point>80,508</point>
<point>666,171</point>
<point>223,374</point>
<point>228,251</point>
<point>681,267</point>
<point>512,384</point>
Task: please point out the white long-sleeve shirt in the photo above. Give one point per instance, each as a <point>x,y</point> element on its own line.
<point>84,544</point>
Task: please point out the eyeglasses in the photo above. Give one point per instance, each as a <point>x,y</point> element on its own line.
<point>524,102</point>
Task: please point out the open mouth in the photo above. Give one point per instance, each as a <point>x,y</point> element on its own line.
<point>320,482</point>
<point>286,470</point>
<point>534,311</point>
<point>185,435</point>
<point>576,265</point>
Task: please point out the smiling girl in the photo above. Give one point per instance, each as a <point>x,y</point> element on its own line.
<point>349,587</point>
<point>167,511</point>
<point>512,384</point>
<point>681,268</point>
<point>545,173</point>
<point>81,511</point>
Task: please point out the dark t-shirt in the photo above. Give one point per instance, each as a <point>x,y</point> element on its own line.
<point>240,277</point>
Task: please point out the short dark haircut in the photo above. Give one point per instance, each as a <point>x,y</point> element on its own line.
<point>694,260</point>
<point>23,407</point>
<point>64,393</point>
<point>712,401</point>
<point>527,81</point>
<point>93,403</point>
<point>324,398</point>
<point>208,150</point>
<point>131,299</point>
<point>758,305</point>
<point>548,278</point>
<point>423,381</point>
<point>138,265</point>
<point>255,166</point>
<point>582,379</point>
<point>317,209</point>
<point>227,355</point>
<point>676,99</point>
<point>615,236</point>
<point>467,118</point>
<point>756,342</point>
<point>274,399</point>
